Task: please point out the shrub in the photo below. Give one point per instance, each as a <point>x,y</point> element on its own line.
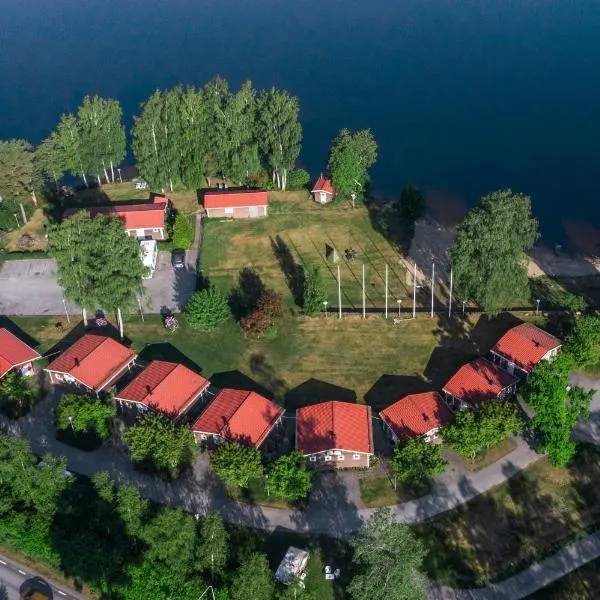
<point>183,232</point>
<point>268,310</point>
<point>289,477</point>
<point>315,292</point>
<point>207,310</point>
<point>237,464</point>
<point>84,415</point>
<point>297,179</point>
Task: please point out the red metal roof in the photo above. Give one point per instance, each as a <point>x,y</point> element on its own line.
<point>334,426</point>
<point>166,387</point>
<point>239,415</point>
<point>13,352</point>
<point>526,345</point>
<point>415,415</point>
<point>323,185</point>
<point>478,381</point>
<point>93,360</point>
<point>133,216</point>
<point>235,199</point>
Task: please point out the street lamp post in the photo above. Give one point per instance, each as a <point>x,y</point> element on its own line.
<point>537,306</point>
<point>119,172</point>
<point>325,303</point>
<point>71,423</point>
<point>399,306</point>
<point>463,303</point>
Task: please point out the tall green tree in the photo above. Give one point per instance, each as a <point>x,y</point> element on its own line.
<point>388,560</point>
<point>183,231</point>
<point>84,415</point>
<point>213,548</point>
<point>237,464</point>
<point>583,343</point>
<point>315,292</point>
<point>157,441</point>
<point>557,406</point>
<point>253,580</point>
<point>417,460</point>
<point>289,477</point>
<point>207,310</point>
<point>16,168</point>
<point>68,139</point>
<point>279,133</point>
<point>171,540</point>
<point>18,393</point>
<point>196,127</point>
<point>216,96</point>
<point>351,154</point>
<point>132,509</point>
<point>49,159</point>
<point>98,264</point>
<point>489,251</point>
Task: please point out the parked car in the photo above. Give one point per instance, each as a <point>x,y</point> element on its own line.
<point>178,258</point>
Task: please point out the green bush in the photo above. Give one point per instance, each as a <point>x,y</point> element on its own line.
<point>183,232</point>
<point>9,207</point>
<point>84,415</point>
<point>297,179</point>
<point>207,310</point>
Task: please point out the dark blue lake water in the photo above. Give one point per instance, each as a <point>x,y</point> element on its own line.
<point>463,97</point>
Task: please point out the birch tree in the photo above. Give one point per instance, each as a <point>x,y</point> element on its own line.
<point>194,137</point>
<point>68,136</point>
<point>16,168</point>
<point>280,133</point>
<point>215,95</point>
<point>49,159</point>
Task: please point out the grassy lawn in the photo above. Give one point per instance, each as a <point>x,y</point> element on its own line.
<point>520,522</point>
<point>295,235</point>
<point>379,491</point>
<point>351,359</point>
<point>256,493</point>
<point>494,454</point>
<point>581,584</point>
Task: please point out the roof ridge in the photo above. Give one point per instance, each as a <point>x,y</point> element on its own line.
<point>92,350</point>
<point>173,367</point>
<point>248,392</point>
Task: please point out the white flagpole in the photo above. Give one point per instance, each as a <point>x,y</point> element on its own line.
<point>450,299</point>
<point>364,304</point>
<point>432,286</point>
<point>415,291</point>
<point>339,292</point>
<point>386,291</point>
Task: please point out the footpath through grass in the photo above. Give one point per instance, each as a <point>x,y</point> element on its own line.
<point>531,516</point>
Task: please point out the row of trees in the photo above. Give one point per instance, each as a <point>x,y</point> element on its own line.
<point>185,134</point>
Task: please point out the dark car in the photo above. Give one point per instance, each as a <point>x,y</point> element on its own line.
<point>178,258</point>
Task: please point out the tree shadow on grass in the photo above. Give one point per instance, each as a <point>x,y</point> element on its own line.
<point>167,352</point>
<point>313,391</point>
<point>237,380</point>
<point>391,388</point>
<point>265,373</point>
<point>293,272</point>
<point>244,298</point>
<point>6,323</point>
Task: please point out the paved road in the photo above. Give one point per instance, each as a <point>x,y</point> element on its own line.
<point>13,575</point>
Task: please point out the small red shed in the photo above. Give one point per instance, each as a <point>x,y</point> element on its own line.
<point>323,190</point>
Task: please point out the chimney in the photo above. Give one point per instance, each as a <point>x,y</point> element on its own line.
<point>76,362</point>
<point>149,390</point>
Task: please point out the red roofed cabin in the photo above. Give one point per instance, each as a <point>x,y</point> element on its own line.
<point>144,220</point>
<point>15,355</point>
<point>521,348</point>
<point>94,362</point>
<point>335,434</point>
<point>416,416</point>
<point>323,190</point>
<point>237,416</point>
<point>236,203</point>
<point>477,382</point>
<point>165,387</point>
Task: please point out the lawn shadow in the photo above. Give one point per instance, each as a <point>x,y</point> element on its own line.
<point>293,272</point>
<point>167,352</point>
<point>265,372</point>
<point>244,298</point>
<point>390,388</point>
<point>313,391</point>
<point>237,380</point>
<point>6,323</point>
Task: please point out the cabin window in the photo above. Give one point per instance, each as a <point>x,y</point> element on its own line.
<point>327,458</point>
<point>313,459</point>
<point>229,211</point>
<point>356,457</point>
<point>340,457</point>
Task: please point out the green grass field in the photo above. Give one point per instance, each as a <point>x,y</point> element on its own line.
<point>296,235</point>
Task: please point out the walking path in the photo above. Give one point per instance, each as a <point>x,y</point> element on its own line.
<point>334,507</point>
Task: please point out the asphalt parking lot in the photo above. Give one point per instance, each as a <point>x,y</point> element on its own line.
<point>29,287</point>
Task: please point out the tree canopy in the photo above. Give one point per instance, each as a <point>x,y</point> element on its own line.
<point>98,264</point>
<point>253,580</point>
<point>237,463</point>
<point>85,415</point>
<point>315,292</point>
<point>183,231</point>
<point>387,558</point>
<point>17,393</point>
<point>351,154</point>
<point>156,441</point>
<point>207,310</point>
<point>416,460</point>
<point>489,251</point>
<point>16,168</point>
<point>583,343</point>
<point>289,477</point>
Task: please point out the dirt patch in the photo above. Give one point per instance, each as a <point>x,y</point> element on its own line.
<point>31,236</point>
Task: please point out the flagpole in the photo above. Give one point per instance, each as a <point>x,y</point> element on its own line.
<point>364,304</point>
<point>386,291</point>
<point>415,291</point>
<point>339,292</point>
<point>432,286</point>
<point>450,300</point>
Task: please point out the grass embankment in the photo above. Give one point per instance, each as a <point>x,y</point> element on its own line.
<point>518,523</point>
<point>310,359</point>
